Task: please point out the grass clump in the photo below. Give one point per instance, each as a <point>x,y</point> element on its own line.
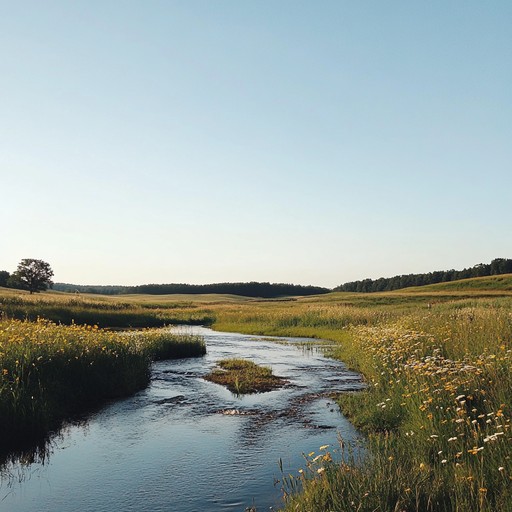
<point>241,376</point>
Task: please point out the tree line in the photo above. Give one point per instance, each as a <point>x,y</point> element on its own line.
<point>99,289</point>
<point>496,267</point>
<point>35,275</point>
<point>251,289</point>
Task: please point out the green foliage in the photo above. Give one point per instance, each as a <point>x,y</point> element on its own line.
<point>32,275</point>
<point>4,277</point>
<point>252,289</point>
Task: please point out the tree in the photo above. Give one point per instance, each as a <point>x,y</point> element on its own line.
<point>4,276</point>
<point>32,275</point>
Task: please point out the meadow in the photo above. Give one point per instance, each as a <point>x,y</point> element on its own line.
<point>437,408</point>
<point>104,311</point>
<point>436,412</point>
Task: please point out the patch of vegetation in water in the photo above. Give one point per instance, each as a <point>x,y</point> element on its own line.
<point>241,376</point>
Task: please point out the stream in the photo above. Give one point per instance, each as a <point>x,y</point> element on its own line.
<point>188,445</point>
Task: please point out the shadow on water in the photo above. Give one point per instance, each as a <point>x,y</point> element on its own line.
<point>186,444</point>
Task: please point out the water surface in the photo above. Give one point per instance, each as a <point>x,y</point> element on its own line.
<point>188,445</point>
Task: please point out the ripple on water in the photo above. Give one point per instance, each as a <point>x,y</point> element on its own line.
<point>188,445</point>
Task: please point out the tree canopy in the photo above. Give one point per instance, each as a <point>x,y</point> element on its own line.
<point>4,277</point>
<point>32,275</point>
<point>252,289</point>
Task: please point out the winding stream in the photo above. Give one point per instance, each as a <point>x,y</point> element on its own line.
<point>188,445</point>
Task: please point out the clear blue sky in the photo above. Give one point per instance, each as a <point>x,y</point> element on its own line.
<point>284,141</point>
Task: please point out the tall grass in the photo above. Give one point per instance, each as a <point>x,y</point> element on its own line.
<point>49,371</point>
<point>437,409</point>
<point>437,412</point>
<point>104,312</point>
<point>310,319</point>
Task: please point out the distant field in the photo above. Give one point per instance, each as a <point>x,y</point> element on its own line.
<point>182,297</point>
<point>467,289</point>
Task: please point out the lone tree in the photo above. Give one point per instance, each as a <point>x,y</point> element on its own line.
<point>32,275</point>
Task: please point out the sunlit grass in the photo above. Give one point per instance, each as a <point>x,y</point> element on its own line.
<point>102,311</point>
<point>49,371</point>
<point>436,411</point>
<point>437,408</point>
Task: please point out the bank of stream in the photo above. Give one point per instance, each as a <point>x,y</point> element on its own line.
<point>188,445</point>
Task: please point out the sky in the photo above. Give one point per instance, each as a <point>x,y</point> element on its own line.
<point>203,141</point>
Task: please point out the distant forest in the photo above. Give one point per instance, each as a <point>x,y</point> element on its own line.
<point>253,289</point>
<point>275,290</point>
<point>383,284</point>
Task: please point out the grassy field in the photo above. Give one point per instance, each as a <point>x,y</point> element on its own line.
<point>104,311</point>
<point>437,409</point>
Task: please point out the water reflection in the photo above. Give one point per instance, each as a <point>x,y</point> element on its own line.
<point>186,444</point>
